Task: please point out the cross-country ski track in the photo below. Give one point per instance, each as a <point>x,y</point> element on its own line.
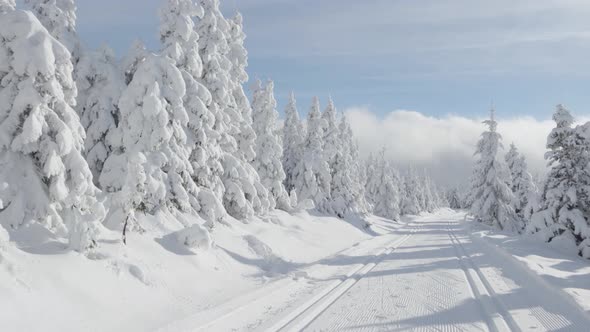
<point>430,274</point>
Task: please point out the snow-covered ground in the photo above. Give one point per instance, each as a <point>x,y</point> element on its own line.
<point>432,272</point>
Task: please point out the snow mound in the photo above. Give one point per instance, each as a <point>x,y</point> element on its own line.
<point>195,236</point>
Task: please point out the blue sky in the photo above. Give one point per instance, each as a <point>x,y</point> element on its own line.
<point>436,57</point>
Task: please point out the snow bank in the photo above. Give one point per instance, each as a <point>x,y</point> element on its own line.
<point>160,271</point>
<point>555,265</point>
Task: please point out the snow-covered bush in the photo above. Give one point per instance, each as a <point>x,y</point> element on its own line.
<point>41,137</point>
<point>195,236</point>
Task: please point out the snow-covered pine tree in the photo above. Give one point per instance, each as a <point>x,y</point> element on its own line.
<point>430,203</point>
<point>312,173</point>
<point>358,171</point>
<point>522,181</point>
<point>293,136</point>
<point>44,175</point>
<point>397,184</point>
<point>454,199</point>
<point>134,57</point>
<point>59,18</point>
<point>565,201</point>
<point>180,43</point>
<point>490,193</point>
<point>347,196</point>
<point>382,188</point>
<point>421,193</point>
<point>100,83</point>
<point>243,194</point>
<point>268,146</point>
<point>153,142</point>
<point>410,204</point>
<point>178,36</point>
<point>7,5</point>
<point>238,58</point>
<point>331,135</point>
<point>370,166</point>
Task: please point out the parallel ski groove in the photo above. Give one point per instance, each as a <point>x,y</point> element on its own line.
<point>304,315</point>
<point>503,322</point>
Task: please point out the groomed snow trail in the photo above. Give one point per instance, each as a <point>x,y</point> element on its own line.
<point>439,279</point>
<point>428,275</point>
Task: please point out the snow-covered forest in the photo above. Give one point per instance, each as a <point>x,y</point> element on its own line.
<point>504,195</point>
<point>171,169</point>
<point>92,142</point>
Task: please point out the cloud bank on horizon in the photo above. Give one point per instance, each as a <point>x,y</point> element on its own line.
<point>444,146</point>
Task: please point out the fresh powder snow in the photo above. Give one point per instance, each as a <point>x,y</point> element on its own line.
<point>163,189</point>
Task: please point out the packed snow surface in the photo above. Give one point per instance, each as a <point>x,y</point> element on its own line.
<point>305,271</point>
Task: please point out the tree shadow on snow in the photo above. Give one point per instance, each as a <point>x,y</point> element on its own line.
<point>358,222</point>
<point>271,266</point>
<point>37,240</point>
<point>170,243</point>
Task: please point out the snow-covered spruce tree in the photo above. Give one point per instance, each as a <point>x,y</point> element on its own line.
<point>134,57</point>
<point>152,142</point>
<point>438,195</point>
<point>565,201</point>
<point>312,173</point>
<point>454,199</point>
<point>268,146</point>
<point>490,193</point>
<point>243,194</point>
<point>370,166</point>
<point>430,200</point>
<point>59,18</point>
<point>522,182</point>
<point>331,139</point>
<point>178,36</point>
<point>293,136</point>
<point>382,189</point>
<point>358,171</point>
<point>238,58</point>
<point>45,177</point>
<point>410,204</point>
<point>245,135</point>
<point>421,193</point>
<point>347,196</point>
<point>180,43</point>
<point>100,83</point>
<point>7,5</point>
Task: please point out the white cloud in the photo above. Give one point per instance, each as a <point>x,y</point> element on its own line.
<point>443,145</point>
